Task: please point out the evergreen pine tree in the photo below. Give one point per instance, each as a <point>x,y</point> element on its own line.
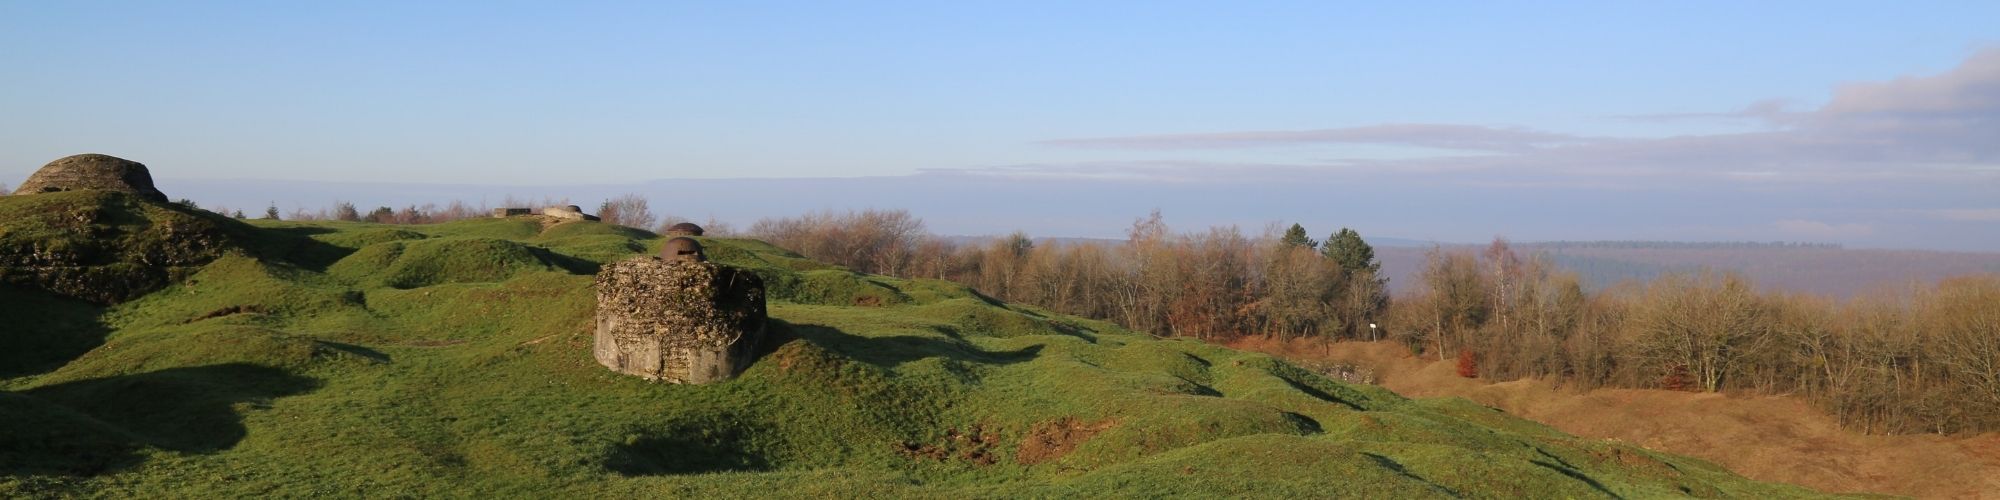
<point>1296,237</point>
<point>1347,249</point>
<point>1363,291</point>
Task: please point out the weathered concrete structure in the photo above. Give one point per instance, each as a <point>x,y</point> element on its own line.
<point>682,249</point>
<point>684,229</point>
<point>571,212</point>
<point>93,172</point>
<point>502,213</point>
<point>678,318</point>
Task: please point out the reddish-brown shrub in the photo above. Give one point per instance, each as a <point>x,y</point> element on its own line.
<point>1676,378</point>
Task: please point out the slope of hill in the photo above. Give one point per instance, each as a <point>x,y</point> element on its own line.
<point>354,359</point>
<point>1772,438</point>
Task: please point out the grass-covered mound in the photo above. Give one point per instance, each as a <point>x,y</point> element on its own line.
<point>105,247</point>
<point>454,360</point>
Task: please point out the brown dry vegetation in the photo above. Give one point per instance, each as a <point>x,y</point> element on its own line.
<point>1054,439</point>
<point>1770,438</point>
<point>1923,360</point>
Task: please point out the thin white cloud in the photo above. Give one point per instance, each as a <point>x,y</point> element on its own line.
<point>1974,86</point>
<point>1144,170</point>
<point>1935,128</point>
<point>1428,135</point>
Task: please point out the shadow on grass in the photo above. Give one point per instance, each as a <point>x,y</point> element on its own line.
<point>46,439</point>
<point>295,245</point>
<point>566,262</point>
<point>1563,467</point>
<point>889,351</point>
<point>44,331</point>
<point>365,353</point>
<point>1321,395</point>
<point>720,446</point>
<point>190,409</point>
<point>982,297</point>
<point>1388,463</point>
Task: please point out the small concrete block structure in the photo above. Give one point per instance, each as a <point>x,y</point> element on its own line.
<point>93,172</point>
<point>679,320</point>
<point>502,213</point>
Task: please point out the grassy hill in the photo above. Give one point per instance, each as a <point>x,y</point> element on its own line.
<point>453,360</point>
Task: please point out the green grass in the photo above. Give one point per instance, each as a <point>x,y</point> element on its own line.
<point>453,360</point>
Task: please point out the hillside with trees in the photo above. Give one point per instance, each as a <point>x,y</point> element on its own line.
<point>1922,358</point>
<point>351,358</point>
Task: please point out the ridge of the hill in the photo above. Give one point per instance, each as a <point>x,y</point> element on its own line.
<point>355,359</point>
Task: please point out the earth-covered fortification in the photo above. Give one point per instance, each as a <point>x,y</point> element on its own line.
<point>92,227</point>
<point>93,172</point>
<point>677,317</point>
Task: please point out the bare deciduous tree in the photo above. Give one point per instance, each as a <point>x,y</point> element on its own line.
<point>629,210</point>
<point>879,241</point>
<point>345,211</point>
<point>1705,323</point>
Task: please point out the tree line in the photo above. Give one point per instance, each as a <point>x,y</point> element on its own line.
<point>1919,359</point>
<point>1214,284</point>
<point>629,210</point>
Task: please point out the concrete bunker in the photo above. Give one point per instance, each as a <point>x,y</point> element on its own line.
<point>91,171</point>
<point>569,212</point>
<point>678,318</point>
<point>684,229</point>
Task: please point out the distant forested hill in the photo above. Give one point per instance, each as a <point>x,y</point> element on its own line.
<point>1803,267</point>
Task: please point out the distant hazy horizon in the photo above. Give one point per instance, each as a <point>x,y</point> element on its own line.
<point>1864,124</point>
<point>957,206</point>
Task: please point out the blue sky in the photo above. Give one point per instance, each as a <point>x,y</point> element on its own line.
<point>1459,120</point>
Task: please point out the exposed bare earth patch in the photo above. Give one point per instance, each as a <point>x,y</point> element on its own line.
<point>1769,438</point>
<point>1053,439</point>
<point>975,446</point>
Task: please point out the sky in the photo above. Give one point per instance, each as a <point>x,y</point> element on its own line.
<point>1872,124</point>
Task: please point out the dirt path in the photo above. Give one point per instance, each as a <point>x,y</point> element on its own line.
<point>1769,438</point>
